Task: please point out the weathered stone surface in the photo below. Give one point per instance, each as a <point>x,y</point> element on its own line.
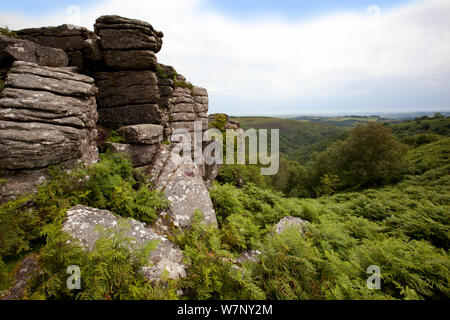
<point>50,37</point>
<point>12,49</point>
<point>127,39</point>
<point>179,178</point>
<point>62,81</point>
<point>81,223</point>
<point>47,117</point>
<point>38,145</point>
<point>189,126</point>
<point>210,173</point>
<point>248,256</point>
<point>183,117</point>
<point>288,222</point>
<point>126,88</point>
<point>92,51</point>
<point>40,106</point>
<point>183,108</point>
<point>142,134</point>
<point>20,182</point>
<point>130,59</point>
<point>129,115</point>
<point>140,154</point>
<point>28,268</point>
<point>201,92</point>
<point>123,33</point>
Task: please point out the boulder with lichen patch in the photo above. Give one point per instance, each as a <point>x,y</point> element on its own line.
<point>292,222</point>
<point>82,225</point>
<point>181,181</point>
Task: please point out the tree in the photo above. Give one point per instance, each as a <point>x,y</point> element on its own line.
<point>370,156</point>
<point>438,115</point>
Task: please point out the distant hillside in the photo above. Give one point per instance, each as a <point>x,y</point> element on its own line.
<point>422,126</point>
<point>346,121</point>
<point>294,134</point>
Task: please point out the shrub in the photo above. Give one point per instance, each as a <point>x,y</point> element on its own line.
<point>211,274</point>
<point>19,225</point>
<point>289,268</point>
<point>4,31</point>
<point>108,184</point>
<point>240,233</point>
<point>408,269</point>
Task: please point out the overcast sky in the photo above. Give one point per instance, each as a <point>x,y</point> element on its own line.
<point>285,57</point>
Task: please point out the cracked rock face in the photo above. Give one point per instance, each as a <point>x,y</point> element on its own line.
<point>47,117</point>
<point>181,181</point>
<point>81,224</point>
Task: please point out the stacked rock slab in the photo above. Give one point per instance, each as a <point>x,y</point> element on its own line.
<point>128,86</point>
<point>80,44</point>
<point>141,143</point>
<point>47,117</point>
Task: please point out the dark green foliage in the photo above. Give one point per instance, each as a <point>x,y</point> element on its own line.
<point>106,135</point>
<point>437,125</point>
<point>410,270</point>
<point>109,184</point>
<point>5,278</point>
<point>289,268</point>
<point>2,85</point>
<point>307,153</point>
<point>370,156</point>
<point>219,122</point>
<point>294,134</point>
<point>183,84</point>
<point>418,140</point>
<point>211,274</point>
<point>109,272</point>
<point>160,72</point>
<point>4,31</point>
<point>18,225</point>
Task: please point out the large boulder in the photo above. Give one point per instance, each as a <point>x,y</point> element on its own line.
<point>47,117</point>
<point>289,222</point>
<point>142,134</point>
<point>82,224</point>
<point>141,155</point>
<point>12,49</point>
<point>181,181</point>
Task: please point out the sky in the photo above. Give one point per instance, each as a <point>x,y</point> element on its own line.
<point>287,56</point>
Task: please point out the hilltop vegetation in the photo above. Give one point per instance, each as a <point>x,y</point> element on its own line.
<point>293,134</point>
<point>345,122</point>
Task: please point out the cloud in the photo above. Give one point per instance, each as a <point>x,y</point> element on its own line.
<point>363,61</point>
